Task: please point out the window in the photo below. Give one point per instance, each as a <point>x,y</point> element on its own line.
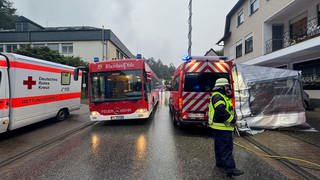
<point>239,50</point>
<point>240,17</point>
<point>175,84</point>
<point>1,48</point>
<point>248,45</point>
<point>53,46</point>
<point>65,78</point>
<point>310,74</point>
<point>202,82</point>
<point>254,6</point>
<point>67,48</point>
<point>11,47</point>
<point>116,85</point>
<point>118,54</point>
<point>298,28</point>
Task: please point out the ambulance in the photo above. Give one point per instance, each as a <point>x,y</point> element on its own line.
<point>192,86</point>
<point>32,90</point>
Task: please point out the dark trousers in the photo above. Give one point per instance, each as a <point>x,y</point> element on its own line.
<point>223,147</point>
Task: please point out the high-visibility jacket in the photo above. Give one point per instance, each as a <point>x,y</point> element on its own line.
<point>226,118</point>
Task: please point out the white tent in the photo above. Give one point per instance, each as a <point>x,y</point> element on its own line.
<point>268,98</point>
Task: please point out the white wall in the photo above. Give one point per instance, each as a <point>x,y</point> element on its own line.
<point>87,50</point>
<point>252,24</point>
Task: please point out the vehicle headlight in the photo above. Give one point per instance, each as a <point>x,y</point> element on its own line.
<point>95,113</point>
<point>142,110</point>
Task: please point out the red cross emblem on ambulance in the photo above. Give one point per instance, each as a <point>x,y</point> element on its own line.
<point>29,82</point>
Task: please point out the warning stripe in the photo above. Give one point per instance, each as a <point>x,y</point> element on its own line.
<point>189,98</point>
<point>36,67</point>
<point>3,104</point>
<point>3,63</point>
<point>218,67</point>
<point>194,101</point>
<point>23,65</point>
<point>200,103</point>
<point>34,100</point>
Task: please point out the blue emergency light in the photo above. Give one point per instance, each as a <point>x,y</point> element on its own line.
<point>96,59</point>
<point>186,58</point>
<point>139,56</point>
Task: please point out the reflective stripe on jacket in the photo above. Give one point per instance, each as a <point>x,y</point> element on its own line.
<point>224,121</point>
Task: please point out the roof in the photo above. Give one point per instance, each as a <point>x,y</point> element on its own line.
<point>227,32</point>
<point>24,19</point>
<point>53,34</point>
<point>70,28</point>
<point>211,52</point>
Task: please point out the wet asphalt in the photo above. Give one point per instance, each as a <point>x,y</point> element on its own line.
<point>151,149</point>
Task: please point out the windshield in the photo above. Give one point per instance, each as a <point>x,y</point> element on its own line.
<point>116,85</point>
<point>202,82</point>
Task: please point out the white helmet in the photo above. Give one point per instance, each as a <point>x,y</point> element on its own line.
<point>222,82</point>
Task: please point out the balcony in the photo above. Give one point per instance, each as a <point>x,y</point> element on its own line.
<point>306,31</point>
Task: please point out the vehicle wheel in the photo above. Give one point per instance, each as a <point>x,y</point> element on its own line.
<point>175,123</point>
<point>62,115</point>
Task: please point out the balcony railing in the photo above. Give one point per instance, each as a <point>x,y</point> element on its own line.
<point>310,30</point>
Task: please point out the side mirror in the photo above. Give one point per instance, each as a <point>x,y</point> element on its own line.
<point>76,74</point>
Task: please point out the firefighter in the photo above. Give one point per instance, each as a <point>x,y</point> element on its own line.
<point>222,119</point>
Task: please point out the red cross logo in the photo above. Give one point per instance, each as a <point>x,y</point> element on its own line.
<point>29,82</point>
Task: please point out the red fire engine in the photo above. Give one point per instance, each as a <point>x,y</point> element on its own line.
<point>192,86</point>
<point>121,89</point>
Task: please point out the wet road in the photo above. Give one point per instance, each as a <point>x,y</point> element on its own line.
<point>134,150</point>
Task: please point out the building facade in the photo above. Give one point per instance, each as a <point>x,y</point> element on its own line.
<point>282,34</point>
<point>88,43</point>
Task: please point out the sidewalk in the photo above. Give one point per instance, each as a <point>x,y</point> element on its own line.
<point>296,144</point>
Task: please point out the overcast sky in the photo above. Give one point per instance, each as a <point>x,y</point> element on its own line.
<point>154,28</point>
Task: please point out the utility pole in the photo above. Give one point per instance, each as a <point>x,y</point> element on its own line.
<point>103,42</point>
<point>190,28</point>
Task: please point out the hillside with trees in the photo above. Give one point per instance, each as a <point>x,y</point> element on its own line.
<point>49,55</point>
<point>7,15</point>
<point>163,71</point>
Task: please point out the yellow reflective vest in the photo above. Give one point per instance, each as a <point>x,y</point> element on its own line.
<point>226,126</point>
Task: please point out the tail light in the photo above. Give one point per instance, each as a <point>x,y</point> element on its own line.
<point>180,103</point>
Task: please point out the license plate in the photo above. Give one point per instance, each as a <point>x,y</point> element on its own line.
<point>196,115</point>
<point>117,117</point>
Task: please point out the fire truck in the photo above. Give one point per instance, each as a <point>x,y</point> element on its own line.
<point>32,90</point>
<point>192,86</point>
<point>121,89</point>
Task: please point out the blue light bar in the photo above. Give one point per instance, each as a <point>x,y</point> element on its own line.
<point>186,58</point>
<point>139,56</point>
<point>96,59</point>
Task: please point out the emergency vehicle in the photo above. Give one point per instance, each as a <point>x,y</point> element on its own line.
<point>32,90</point>
<point>192,86</point>
<point>121,89</point>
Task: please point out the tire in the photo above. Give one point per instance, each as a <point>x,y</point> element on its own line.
<point>62,115</point>
<point>176,124</point>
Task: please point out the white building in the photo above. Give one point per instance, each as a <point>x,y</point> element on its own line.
<point>277,33</point>
<point>83,41</point>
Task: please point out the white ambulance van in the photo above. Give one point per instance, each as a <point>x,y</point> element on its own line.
<point>32,90</point>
